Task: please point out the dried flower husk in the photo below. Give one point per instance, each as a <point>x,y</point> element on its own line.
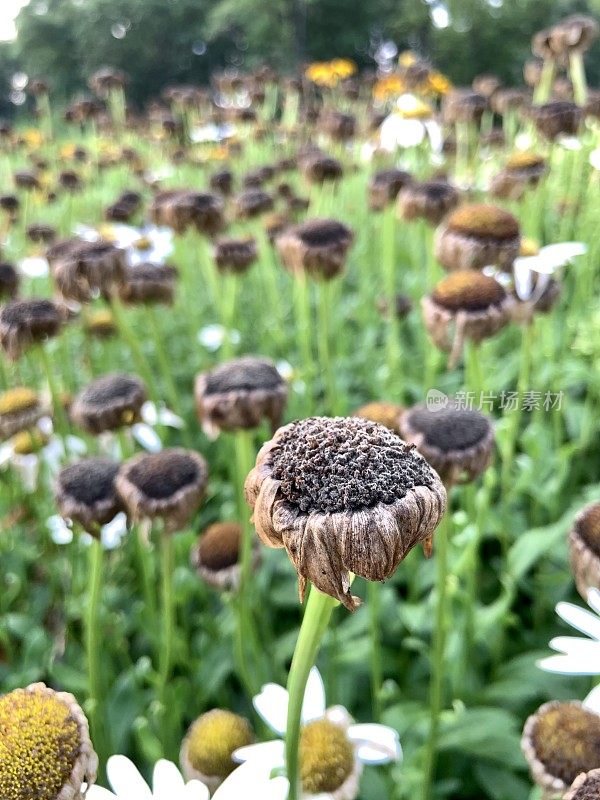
<point>216,555</point>
<point>318,247</point>
<point>252,203</point>
<point>585,786</point>
<point>181,209</point>
<point>85,492</point>
<point>385,185</point>
<point>482,311</point>
<point>239,394</point>
<point>168,485</point>
<point>149,284</point>
<point>475,236</point>
<point>318,167</point>
<point>235,255</point>
<point>109,403</point>
<point>429,200</point>
<point>557,118</point>
<point>463,105</point>
<point>565,733</point>
<point>9,281</point>
<point>20,408</point>
<point>584,548</point>
<point>83,270</point>
<point>322,544</point>
<point>24,323</point>
<point>457,442</point>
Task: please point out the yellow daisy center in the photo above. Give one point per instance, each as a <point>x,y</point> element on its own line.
<point>326,756</point>
<point>567,740</point>
<point>524,160</point>
<point>27,442</point>
<point>18,399</point>
<point>39,745</point>
<point>212,739</point>
<point>482,220</point>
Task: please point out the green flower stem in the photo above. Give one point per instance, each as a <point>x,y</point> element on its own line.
<point>578,79</point>
<point>247,638</point>
<point>303,333</point>
<point>544,87</point>
<point>436,688</point>
<point>92,646</point>
<point>374,601</point>
<point>324,346</point>
<point>389,270</point>
<point>138,356</point>
<point>60,417</point>
<point>229,290</point>
<point>163,360</point>
<point>319,608</point>
<point>167,611</point>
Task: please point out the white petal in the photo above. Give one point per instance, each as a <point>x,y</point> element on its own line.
<point>570,645</point>
<point>592,701</point>
<point>377,744</point>
<point>313,706</point>
<point>98,793</point>
<point>523,277</point>
<point>166,780</point>
<point>251,780</point>
<point>113,532</point>
<point>212,337</point>
<point>278,789</point>
<point>149,413</point>
<point>195,790</point>
<point>272,705</point>
<point>75,445</point>
<point>147,437</point>
<point>557,255</point>
<point>170,419</point>
<point>593,599</point>
<point>579,618</point>
<point>436,137</point>
<point>60,533</point>
<point>266,752</point>
<point>126,780</point>
<point>28,467</point>
<point>569,665</point>
<point>34,267</point>
<point>7,452</point>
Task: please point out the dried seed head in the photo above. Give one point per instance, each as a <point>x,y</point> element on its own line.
<point>27,322</point>
<point>85,492</point>
<point>235,255</point>
<point>320,168</point>
<point>181,209</point>
<point>239,394</point>
<point>252,203</point>
<point>206,752</point>
<point>575,33</point>
<point>149,283</point>
<point>431,200</point>
<point>219,546</point>
<point>456,441</point>
<point>585,787</point>
<point>463,105</point>
<point>40,232</point>
<point>386,414</point>
<point>317,247</point>
<point>338,125</point>
<point>474,236</point>
<point>385,186</point>
<point>469,291</point>
<point>101,324</point>
<point>109,403</point>
<point>560,741</point>
<point>326,755</point>
<point>168,485</point>
<point>83,270</point>
<point>9,281</point>
<point>45,748</point>
<point>20,408</point>
<point>557,118</point>
<point>342,494</point>
<point>584,546</point>
<point>222,181</point>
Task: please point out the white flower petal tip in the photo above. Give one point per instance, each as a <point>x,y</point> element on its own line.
<point>125,779</point>
<point>272,705</point>
<point>60,533</point>
<point>147,437</point>
<point>195,790</point>
<point>593,599</point>
<point>99,793</point>
<point>376,744</point>
<point>272,752</point>
<point>34,267</point>
<point>167,782</point>
<point>313,706</point>
<point>580,619</point>
<point>566,665</point>
<point>592,701</point>
<point>113,532</point>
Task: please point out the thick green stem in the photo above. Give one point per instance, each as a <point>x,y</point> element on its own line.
<point>374,601</point>
<point>167,610</point>
<point>544,87</point>
<point>324,348</point>
<point>436,689</point>
<point>92,639</point>
<point>60,416</point>
<point>578,79</point>
<point>319,608</point>
<point>303,332</point>
<point>163,360</point>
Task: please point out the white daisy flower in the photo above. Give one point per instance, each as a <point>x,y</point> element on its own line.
<point>146,245</point>
<point>111,534</point>
<point>214,336</point>
<point>127,783</point>
<point>578,655</point>
<point>34,267</point>
<point>354,745</point>
<point>152,415</point>
<point>544,264</point>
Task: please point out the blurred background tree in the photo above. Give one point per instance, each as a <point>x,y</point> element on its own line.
<point>160,42</point>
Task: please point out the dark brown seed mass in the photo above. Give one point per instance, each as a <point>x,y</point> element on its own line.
<point>450,428</point>
<point>345,464</point>
<point>109,388</point>
<point>243,374</point>
<point>220,545</point>
<point>323,232</point>
<point>590,789</point>
<point>89,481</point>
<point>161,475</point>
<point>589,528</point>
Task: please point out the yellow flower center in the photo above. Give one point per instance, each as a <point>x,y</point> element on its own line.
<point>529,247</point>
<point>212,739</point>
<point>27,442</point>
<point>18,399</point>
<point>484,221</point>
<point>101,321</point>
<point>567,740</point>
<point>468,290</point>
<point>326,756</point>
<point>143,243</point>
<point>524,160</point>
<point>387,414</point>
<point>39,745</point>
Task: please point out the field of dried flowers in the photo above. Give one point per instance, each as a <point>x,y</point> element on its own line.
<point>408,258</point>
